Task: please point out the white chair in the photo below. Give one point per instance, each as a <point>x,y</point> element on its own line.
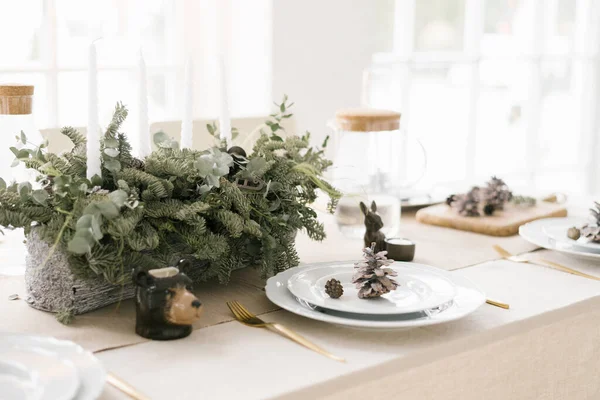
<point>202,139</point>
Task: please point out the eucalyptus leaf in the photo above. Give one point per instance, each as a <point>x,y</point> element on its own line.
<point>40,197</point>
<point>112,165</point>
<point>96,180</point>
<point>23,138</point>
<point>95,227</point>
<point>14,150</point>
<point>276,138</point>
<point>123,185</point>
<point>160,137</point>
<point>79,245</point>
<point>111,152</point>
<point>2,184</point>
<point>24,188</point>
<point>108,209</point>
<point>112,143</point>
<point>23,154</point>
<point>118,197</point>
<point>84,222</point>
<point>15,162</point>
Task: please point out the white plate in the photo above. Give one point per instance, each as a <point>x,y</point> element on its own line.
<point>421,288</point>
<point>556,230</point>
<point>33,373</point>
<point>91,373</point>
<point>468,299</point>
<point>534,232</point>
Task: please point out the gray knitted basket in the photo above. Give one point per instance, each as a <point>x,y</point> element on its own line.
<point>55,288</point>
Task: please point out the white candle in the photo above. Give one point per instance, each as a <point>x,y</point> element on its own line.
<point>144,148</point>
<point>93,129</point>
<point>187,140</point>
<point>224,119</point>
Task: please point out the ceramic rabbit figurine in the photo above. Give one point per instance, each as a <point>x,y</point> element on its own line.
<point>373,224</point>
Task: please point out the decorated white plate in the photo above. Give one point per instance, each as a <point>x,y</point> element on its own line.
<point>468,299</point>
<point>556,230</point>
<point>90,372</point>
<point>33,373</point>
<point>421,287</point>
<point>534,233</point>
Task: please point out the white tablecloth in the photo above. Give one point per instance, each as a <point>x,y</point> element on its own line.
<point>547,346</point>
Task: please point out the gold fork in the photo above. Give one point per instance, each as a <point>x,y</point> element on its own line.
<point>124,387</point>
<point>540,261</point>
<point>247,318</point>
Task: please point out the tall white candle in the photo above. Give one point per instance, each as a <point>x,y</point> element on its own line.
<point>224,118</point>
<point>144,147</point>
<point>93,128</point>
<point>187,140</point>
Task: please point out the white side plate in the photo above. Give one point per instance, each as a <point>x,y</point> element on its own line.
<point>422,287</point>
<point>534,233</point>
<point>468,299</point>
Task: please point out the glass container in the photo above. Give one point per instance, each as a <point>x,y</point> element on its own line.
<point>16,102</point>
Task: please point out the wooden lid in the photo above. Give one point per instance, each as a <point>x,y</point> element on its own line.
<point>16,99</point>
<point>15,89</point>
<point>367,120</point>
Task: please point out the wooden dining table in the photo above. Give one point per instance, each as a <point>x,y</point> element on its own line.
<point>546,346</point>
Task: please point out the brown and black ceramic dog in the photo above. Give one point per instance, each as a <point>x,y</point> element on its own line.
<point>164,304</point>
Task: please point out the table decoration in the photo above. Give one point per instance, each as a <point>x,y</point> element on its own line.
<point>420,287</point>
<point>334,288</point>
<point>590,231</point>
<point>373,225</point>
<point>371,278</point>
<point>490,210</point>
<point>466,300</point>
<point>165,307</point>
<point>247,318</point>
<point>85,237</point>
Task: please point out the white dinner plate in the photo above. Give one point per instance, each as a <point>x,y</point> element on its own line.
<point>556,230</point>
<point>534,232</point>
<point>36,374</point>
<point>421,287</point>
<point>468,298</point>
<point>91,373</point>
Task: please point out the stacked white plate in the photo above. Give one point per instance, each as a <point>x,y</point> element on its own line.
<point>551,233</point>
<point>426,296</point>
<point>44,368</point>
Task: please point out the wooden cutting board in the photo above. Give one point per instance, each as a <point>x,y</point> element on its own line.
<point>502,223</point>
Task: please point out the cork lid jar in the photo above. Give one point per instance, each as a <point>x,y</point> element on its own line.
<point>367,120</point>
<point>16,99</point>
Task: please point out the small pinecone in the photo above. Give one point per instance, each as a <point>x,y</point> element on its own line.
<point>467,204</point>
<point>136,163</point>
<point>573,233</point>
<point>450,199</point>
<point>497,193</point>
<point>489,209</point>
<point>334,288</point>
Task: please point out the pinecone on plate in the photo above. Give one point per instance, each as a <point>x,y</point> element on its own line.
<point>371,278</point>
<point>334,288</point>
<point>591,231</point>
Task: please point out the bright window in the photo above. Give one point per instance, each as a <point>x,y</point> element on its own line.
<point>49,41</point>
<point>506,87</point>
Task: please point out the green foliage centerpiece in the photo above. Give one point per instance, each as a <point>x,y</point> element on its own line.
<point>220,208</point>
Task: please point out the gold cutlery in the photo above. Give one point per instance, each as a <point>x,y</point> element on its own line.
<point>540,261</point>
<point>497,304</point>
<point>124,387</point>
<point>247,318</point>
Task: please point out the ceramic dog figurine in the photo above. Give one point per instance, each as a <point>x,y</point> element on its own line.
<point>373,223</point>
<point>165,307</point>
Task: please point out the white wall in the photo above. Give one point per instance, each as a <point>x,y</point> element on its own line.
<point>320,48</point>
